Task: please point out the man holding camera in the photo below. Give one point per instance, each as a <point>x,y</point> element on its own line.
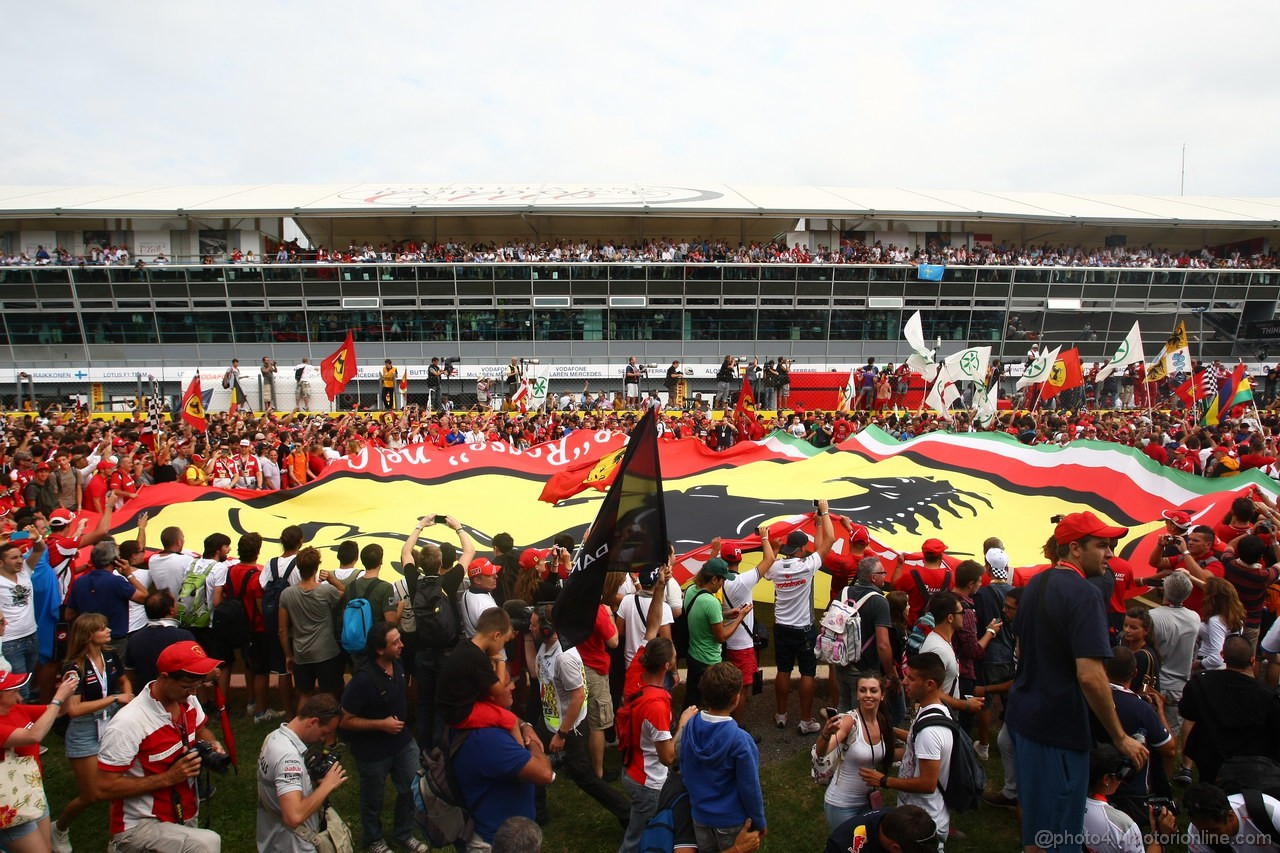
<point>151,752</point>
<point>290,800</point>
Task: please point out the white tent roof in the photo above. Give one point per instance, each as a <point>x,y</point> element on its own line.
<point>633,199</point>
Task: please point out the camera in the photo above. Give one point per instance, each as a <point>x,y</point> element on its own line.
<point>1165,803</point>
<point>319,760</point>
<point>1264,527</point>
<point>520,613</point>
<point>210,758</point>
<point>1124,771</point>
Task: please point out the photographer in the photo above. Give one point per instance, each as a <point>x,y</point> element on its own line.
<point>434,372</point>
<point>1108,829</point>
<point>514,376</point>
<point>269,370</point>
<point>290,799</point>
<point>150,756</point>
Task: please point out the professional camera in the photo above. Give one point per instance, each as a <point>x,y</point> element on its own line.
<point>1264,527</point>
<point>520,613</point>
<point>210,758</point>
<point>1165,803</point>
<point>320,759</point>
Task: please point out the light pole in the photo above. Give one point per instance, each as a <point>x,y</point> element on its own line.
<point>1200,342</point>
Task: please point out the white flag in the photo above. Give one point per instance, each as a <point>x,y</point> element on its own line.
<point>1038,370</point>
<point>850,392</point>
<point>984,407</point>
<point>538,385</point>
<point>1130,352</point>
<point>943,393</point>
<point>921,358</point>
<point>968,365</point>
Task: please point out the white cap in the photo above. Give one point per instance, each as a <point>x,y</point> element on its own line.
<point>998,560</point>
<point>244,442</point>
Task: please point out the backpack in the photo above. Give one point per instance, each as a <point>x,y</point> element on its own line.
<point>408,619</point>
<point>297,374</point>
<point>1252,772</point>
<point>271,595</point>
<point>357,620</point>
<point>435,615</point>
<point>193,595</point>
<point>659,834</point>
<point>840,632</point>
<point>438,804</point>
<point>965,777</point>
<point>922,629</point>
<point>680,628</point>
<point>226,379</point>
<point>624,720</point>
<point>231,616</point>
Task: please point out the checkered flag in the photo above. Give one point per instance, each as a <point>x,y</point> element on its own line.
<point>1209,384</point>
<point>151,429</point>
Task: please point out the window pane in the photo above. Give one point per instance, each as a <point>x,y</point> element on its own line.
<point>211,327</point>
<point>710,324</point>
<point>782,324</point>
<point>43,328</point>
<point>652,324</point>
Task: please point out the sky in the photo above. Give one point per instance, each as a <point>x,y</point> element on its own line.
<point>1084,97</point>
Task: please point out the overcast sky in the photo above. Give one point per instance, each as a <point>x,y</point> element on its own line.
<point>1073,97</point>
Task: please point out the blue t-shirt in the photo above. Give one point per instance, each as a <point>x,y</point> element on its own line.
<point>1136,715</point>
<point>101,591</point>
<point>1046,703</point>
<point>486,768</point>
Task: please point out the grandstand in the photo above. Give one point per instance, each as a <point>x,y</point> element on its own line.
<point>584,276</point>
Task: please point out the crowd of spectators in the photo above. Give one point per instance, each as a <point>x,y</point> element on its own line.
<point>697,250</point>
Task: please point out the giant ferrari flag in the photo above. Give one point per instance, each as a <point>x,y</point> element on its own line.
<point>340,368</point>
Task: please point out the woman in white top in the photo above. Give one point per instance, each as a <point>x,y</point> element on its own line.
<point>1223,616</point>
<point>860,738</point>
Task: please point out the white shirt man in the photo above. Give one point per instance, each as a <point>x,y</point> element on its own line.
<point>285,789</point>
<point>478,597</point>
<point>633,611</point>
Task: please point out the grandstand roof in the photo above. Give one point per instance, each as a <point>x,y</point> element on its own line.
<point>352,200</point>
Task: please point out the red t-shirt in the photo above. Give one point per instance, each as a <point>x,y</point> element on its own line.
<point>95,493</point>
<point>1125,584</point>
<point>252,592</point>
<point>1195,601</point>
<point>1226,532</point>
<point>1022,576</point>
<point>21,717</point>
<point>593,651</point>
<point>933,579</point>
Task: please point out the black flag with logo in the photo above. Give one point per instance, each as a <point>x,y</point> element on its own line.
<point>628,535</point>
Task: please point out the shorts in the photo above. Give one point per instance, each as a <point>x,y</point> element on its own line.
<point>745,661</point>
<point>1053,784</point>
<point>794,645</point>
<point>633,390</point>
<point>272,657</point>
<point>82,737</point>
<point>253,653</point>
<point>327,674</point>
<point>599,700</point>
<point>10,834</point>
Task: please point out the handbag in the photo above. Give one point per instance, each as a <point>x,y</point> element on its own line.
<point>334,835</point>
<point>825,766</point>
<point>22,797</point>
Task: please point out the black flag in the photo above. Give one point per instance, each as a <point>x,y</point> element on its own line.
<point>628,535</point>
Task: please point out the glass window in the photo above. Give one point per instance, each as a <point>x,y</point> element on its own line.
<point>43,329</point>
<point>848,325</point>
<point>51,275</point>
<point>741,273</point>
<point>948,325</point>
<point>782,324</point>
<point>986,325</point>
<point>169,274</point>
<point>711,325</point>
<point>16,276</point>
<point>431,324</point>
<point>503,324</point>
<point>234,273</point>
<point>206,327</point>
<point>662,323</point>
<point>592,272</point>
<point>866,325</point>
<point>558,325</point>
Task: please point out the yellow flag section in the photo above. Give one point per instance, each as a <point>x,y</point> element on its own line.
<point>957,488</point>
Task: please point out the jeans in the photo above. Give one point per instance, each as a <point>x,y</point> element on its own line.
<point>692,695</point>
<point>403,769</point>
<point>644,805</point>
<point>576,763</point>
<point>22,655</point>
<point>715,838</point>
<point>837,815</point>
<point>722,395</point>
<point>1004,742</point>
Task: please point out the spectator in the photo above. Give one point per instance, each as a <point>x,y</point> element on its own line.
<point>22,728</point>
<point>861,737</point>
<point>1175,632</point>
<point>721,766</point>
<point>146,765</point>
<point>289,800</point>
<point>1109,829</point>
<point>709,625</point>
<point>307,615</point>
<point>21,643</point>
<point>101,590</point>
<point>1221,822</point>
<point>1140,714</point>
<point>906,829</point>
<point>162,630</point>
<point>375,707</point>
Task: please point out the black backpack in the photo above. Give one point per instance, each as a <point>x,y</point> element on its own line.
<point>271,595</point>
<point>679,628</point>
<point>231,616</point>
<point>435,614</point>
<point>962,790</point>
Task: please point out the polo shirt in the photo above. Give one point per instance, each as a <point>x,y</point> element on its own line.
<point>146,644</point>
<point>363,697</point>
<point>281,769</point>
<point>101,591</point>
<point>487,767</point>
<point>141,740</point>
<point>1061,617</point>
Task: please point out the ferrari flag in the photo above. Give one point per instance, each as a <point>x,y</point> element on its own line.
<point>1065,374</point>
<point>193,405</point>
<point>340,368</point>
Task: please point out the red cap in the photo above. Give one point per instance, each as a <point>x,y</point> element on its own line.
<point>61,517</point>
<point>13,680</point>
<point>106,465</point>
<point>186,656</point>
<point>480,567</point>
<point>530,557</point>
<point>1180,517</point>
<point>43,466</point>
<point>860,534</point>
<point>731,554</point>
<point>1078,525</point>
<point>934,546</point>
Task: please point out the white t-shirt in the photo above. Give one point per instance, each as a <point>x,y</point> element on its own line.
<point>1110,830</point>
<point>941,648</point>
<point>1248,829</point>
<point>559,675</point>
<point>738,590</point>
<point>138,612</point>
<point>17,605</point>
<point>847,790</point>
<point>793,579</point>
<point>474,602</point>
<point>633,612</point>
<point>934,743</point>
<point>674,596</point>
<point>285,568</point>
<point>169,568</point>
<point>655,772</point>
<point>280,770</point>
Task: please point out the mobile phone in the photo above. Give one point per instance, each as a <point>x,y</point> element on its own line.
<point>832,713</point>
<point>19,534</point>
<point>815,504</point>
<point>440,519</point>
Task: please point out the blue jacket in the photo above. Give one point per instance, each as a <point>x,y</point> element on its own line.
<point>721,769</point>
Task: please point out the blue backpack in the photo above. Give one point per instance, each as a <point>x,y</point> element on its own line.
<point>659,834</point>
<point>357,620</point>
